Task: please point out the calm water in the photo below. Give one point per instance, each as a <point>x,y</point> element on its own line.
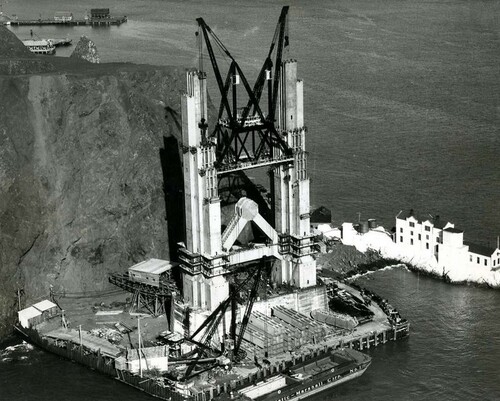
<point>403,107</point>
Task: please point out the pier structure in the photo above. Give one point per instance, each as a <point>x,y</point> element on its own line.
<point>72,22</point>
<point>221,239</point>
<point>151,287</point>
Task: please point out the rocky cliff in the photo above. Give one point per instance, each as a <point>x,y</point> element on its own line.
<point>86,50</point>
<point>81,173</point>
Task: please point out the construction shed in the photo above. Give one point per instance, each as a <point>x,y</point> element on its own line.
<point>29,317</point>
<point>150,271</point>
<point>99,13</point>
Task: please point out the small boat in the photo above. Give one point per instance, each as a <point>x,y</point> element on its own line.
<point>40,46</point>
<point>61,41</point>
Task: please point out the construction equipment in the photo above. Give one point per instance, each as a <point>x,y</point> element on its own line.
<point>205,352</point>
<point>246,138</point>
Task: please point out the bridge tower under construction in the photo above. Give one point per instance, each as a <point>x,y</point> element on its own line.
<point>227,228</point>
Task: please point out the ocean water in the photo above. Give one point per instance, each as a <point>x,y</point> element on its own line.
<point>452,353</point>
<point>402,102</point>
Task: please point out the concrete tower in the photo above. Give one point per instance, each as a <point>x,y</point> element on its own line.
<point>243,139</point>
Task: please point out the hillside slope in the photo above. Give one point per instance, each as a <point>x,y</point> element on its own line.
<point>81,178</point>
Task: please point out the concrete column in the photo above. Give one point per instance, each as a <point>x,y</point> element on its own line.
<point>212,235</point>
<point>303,207</point>
<point>300,105</point>
<point>190,169</point>
<point>290,95</point>
<point>304,272</point>
<point>217,290</point>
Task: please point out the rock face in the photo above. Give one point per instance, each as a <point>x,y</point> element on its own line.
<point>15,58</point>
<point>10,45</point>
<point>86,50</point>
<point>81,177</point>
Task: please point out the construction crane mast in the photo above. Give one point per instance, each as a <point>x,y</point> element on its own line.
<point>246,137</point>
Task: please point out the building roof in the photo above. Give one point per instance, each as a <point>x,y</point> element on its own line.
<point>453,230</point>
<point>44,305</point>
<point>435,220</point>
<point>321,215</point>
<point>481,249</point>
<point>153,266</point>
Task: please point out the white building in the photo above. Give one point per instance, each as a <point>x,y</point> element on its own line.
<point>430,237</point>
<point>63,16</point>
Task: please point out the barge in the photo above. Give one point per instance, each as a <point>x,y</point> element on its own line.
<point>104,338</point>
<point>310,377</point>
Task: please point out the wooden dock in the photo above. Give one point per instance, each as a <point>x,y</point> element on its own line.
<point>73,22</point>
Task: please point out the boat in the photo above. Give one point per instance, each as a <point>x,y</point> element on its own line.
<point>40,46</point>
<point>61,42</point>
<point>308,378</point>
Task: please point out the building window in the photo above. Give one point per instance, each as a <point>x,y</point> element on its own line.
<point>411,241</point>
<point>437,248</point>
<point>419,237</point>
<point>401,230</point>
<point>478,261</point>
<point>400,239</point>
<point>427,237</point>
<point>426,245</point>
<point>486,262</point>
<point>427,228</point>
<point>470,258</point>
<point>412,224</point>
<point>411,233</point>
<point>437,240</point>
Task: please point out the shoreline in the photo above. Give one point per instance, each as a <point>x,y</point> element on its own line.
<point>378,262</point>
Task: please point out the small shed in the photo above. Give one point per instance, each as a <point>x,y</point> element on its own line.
<point>63,16</point>
<point>150,271</point>
<point>99,13</point>
<point>29,317</point>
<point>46,307</point>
